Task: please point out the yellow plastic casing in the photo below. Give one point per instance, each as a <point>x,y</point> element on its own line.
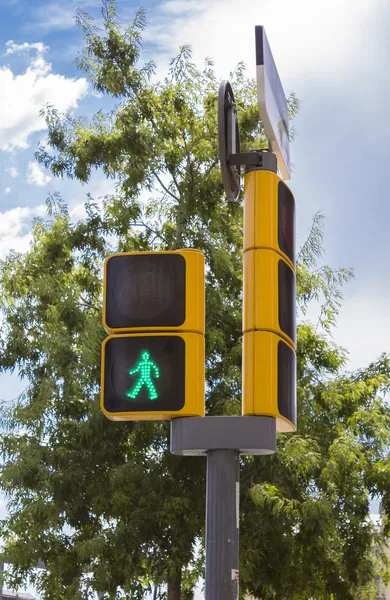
<point>194,293</point>
<point>261,223</point>
<point>260,379</point>
<point>261,302</point>
<point>194,377</point>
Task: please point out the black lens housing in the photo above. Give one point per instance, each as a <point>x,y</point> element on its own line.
<point>145,291</point>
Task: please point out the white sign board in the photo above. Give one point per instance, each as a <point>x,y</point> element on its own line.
<point>272,102</point>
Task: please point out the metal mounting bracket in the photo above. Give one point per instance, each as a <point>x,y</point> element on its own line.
<point>256,159</point>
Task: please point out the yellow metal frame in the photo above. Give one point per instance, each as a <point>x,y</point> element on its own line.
<point>261,292</point>
<point>261,212</point>
<point>194,293</point>
<point>194,404</point>
<point>260,378</point>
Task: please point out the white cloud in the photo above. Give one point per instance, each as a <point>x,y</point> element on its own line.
<point>7,190</point>
<point>178,7</point>
<point>363,322</point>
<point>13,48</point>
<point>36,175</point>
<point>22,96</point>
<point>13,171</point>
<point>77,212</point>
<point>16,223</point>
<point>308,39</point>
<point>15,228</point>
<point>98,188</point>
<point>58,15</point>
<point>364,325</point>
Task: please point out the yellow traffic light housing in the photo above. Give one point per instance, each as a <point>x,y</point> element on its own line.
<point>154,291</point>
<point>269,378</point>
<point>269,214</point>
<point>153,364</point>
<point>269,310</point>
<point>269,294</point>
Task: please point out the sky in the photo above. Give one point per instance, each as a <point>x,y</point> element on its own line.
<point>334,54</point>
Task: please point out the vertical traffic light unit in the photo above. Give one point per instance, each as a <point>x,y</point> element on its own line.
<point>153,363</point>
<point>269,321</point>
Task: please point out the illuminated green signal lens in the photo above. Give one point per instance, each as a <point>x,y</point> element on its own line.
<point>146,370</point>
<point>144,373</point>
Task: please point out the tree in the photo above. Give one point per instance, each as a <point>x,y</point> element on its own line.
<point>306,510</point>
<point>105,505</point>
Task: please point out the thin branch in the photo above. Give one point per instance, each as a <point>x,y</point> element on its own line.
<point>174,181</point>
<point>317,217</point>
<point>161,192</point>
<point>166,189</point>
<point>189,162</point>
<point>142,224</point>
<point>88,304</point>
<point>154,239</point>
<point>211,167</point>
<point>4,402</point>
<point>305,242</point>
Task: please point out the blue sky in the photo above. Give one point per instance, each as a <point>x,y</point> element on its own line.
<point>334,58</point>
<point>333,54</point>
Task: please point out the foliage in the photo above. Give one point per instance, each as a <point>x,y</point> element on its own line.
<point>105,505</point>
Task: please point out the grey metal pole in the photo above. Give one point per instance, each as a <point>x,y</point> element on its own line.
<point>222,524</point>
<point>222,440</point>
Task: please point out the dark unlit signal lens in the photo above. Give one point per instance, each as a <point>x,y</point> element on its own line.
<point>286,218</point>
<point>287,303</point>
<point>145,291</point>
<point>287,403</point>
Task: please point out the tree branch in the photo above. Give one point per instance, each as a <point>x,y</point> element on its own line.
<point>156,234</point>
<point>189,163</point>
<point>88,304</point>
<point>174,181</point>
<point>166,189</point>
<point>211,167</point>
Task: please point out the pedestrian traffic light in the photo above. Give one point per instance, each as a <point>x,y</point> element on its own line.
<point>269,378</point>
<point>269,310</point>
<point>151,376</point>
<point>153,364</point>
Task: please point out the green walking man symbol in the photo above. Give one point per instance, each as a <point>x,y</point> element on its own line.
<point>145,367</point>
